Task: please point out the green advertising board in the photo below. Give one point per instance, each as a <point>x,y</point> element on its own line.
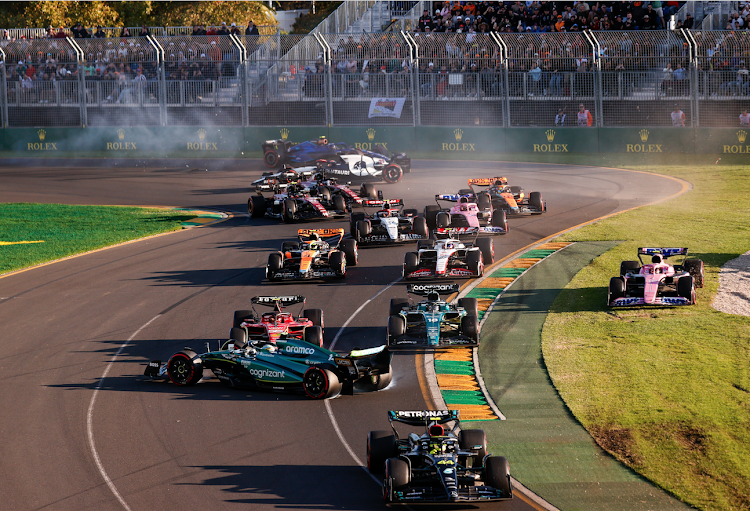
<point>722,141</point>
<point>646,140</point>
<point>457,141</point>
<point>552,140</point>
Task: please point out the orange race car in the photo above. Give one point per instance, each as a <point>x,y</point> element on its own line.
<point>313,257</point>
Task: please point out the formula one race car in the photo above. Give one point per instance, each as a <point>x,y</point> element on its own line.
<point>441,465</point>
<point>448,256</point>
<point>270,326</point>
<point>511,199</point>
<point>657,283</point>
<point>311,257</point>
<point>391,224</point>
<point>344,160</point>
<point>471,211</point>
<point>433,322</point>
<point>287,365</point>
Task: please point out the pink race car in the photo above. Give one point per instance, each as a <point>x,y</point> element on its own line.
<point>468,212</point>
<point>656,283</point>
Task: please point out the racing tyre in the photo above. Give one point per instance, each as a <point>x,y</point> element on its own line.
<point>419,226</point>
<point>443,219</point>
<point>256,206</point>
<point>321,383</point>
<point>349,248</point>
<point>470,327</point>
<point>411,262</point>
<point>376,382</point>
<point>516,190</point>
<point>239,336</point>
<point>686,288</point>
<point>271,158</point>
<point>353,219</point>
<point>616,289</point>
<point>423,244</point>
<point>288,246</point>
<point>240,316</point>
<point>290,208</point>
<point>337,262</point>
<point>469,305</point>
<point>397,304</point>
<point>500,219</point>
<point>397,471</point>
<point>430,214</point>
<point>324,193</point>
<point>466,191</point>
<point>392,173</point>
<point>396,327</point>
<point>368,191</point>
<point>497,474</point>
<point>695,268</point>
<point>536,202</point>
<point>629,267</point>
<point>474,262</point>
<point>275,263</point>
<point>185,368</point>
<point>484,201</point>
<point>411,212</point>
<point>364,229</point>
<point>314,315</point>
<point>487,247</point>
<point>381,445</point>
<point>313,335</point>
<point>474,440</point>
<point>339,204</point>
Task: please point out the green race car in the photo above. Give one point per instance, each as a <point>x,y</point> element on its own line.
<point>291,364</point>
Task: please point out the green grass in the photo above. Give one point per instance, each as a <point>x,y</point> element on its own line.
<point>68,230</point>
<point>665,390</point>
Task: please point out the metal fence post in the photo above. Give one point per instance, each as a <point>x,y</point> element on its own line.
<point>506,80</point>
<point>80,57</point>
<point>694,77</point>
<point>414,54</point>
<point>160,54</point>
<point>4,90</point>
<point>241,81</point>
<point>329,77</point>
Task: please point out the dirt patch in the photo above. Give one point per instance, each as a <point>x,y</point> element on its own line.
<point>692,439</point>
<point>617,441</point>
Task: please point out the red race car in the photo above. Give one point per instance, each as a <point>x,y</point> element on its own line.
<point>271,326</point>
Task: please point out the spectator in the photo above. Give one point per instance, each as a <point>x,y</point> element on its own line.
<point>585,119</point>
<point>666,79</point>
<point>535,79</point>
<point>364,82</point>
<point>234,30</point>
<point>99,33</point>
<point>125,32</point>
<point>251,28</point>
<point>560,118</point>
<point>60,34</point>
<point>223,30</point>
<point>145,32</point>
<point>688,23</point>
<point>212,30</point>
<point>678,117</point>
<point>744,118</point>
<point>740,86</point>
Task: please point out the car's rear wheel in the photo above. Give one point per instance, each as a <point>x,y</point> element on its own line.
<point>516,190</point>
<point>419,227</point>
<point>185,368</point>
<point>324,193</point>
<point>629,267</point>
<point>616,289</point>
<point>314,315</point>
<point>239,336</point>
<point>500,219</point>
<point>470,327</point>
<point>313,335</point>
<point>497,474</point>
<point>381,445</point>
<point>353,219</point>
<point>339,204</point>
<point>474,262</point>
<point>367,190</point>
<point>290,209</point>
<point>337,262</point>
<point>396,327</point>
<point>396,305</point>
<point>271,158</point>
<point>443,220</point>
<point>487,248</point>
<point>376,382</point>
<point>466,191</point>
<point>686,288</point>
<point>321,383</point>
<point>484,201</point>
<point>288,246</point>
<point>474,440</point>
<point>256,206</point>
<point>536,202</point>
<point>695,268</point>
<point>364,229</point>
<point>430,214</point>
<point>275,263</point>
<point>240,316</point>
<point>470,305</point>
<point>397,470</point>
<point>411,263</point>
<point>392,173</point>
<point>349,248</point>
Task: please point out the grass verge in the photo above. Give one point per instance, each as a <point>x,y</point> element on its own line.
<point>32,234</point>
<point>665,390</point>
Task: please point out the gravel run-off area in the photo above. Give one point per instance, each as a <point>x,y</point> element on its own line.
<point>734,287</point>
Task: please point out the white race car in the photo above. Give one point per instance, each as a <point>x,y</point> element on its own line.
<point>448,256</point>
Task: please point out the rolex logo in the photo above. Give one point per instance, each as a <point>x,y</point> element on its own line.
<point>42,134</point>
<point>201,134</point>
<point>550,135</point>
<point>121,134</point>
<point>459,133</point>
<point>370,134</point>
<point>284,133</point>
<point>741,136</point>
<point>644,135</point>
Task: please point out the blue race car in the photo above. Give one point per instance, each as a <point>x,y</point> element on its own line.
<point>433,323</point>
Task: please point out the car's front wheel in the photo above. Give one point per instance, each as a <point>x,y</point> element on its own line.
<point>321,383</point>
<point>185,368</point>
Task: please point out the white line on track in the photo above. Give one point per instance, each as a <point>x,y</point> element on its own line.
<point>90,415</point>
<point>327,402</point>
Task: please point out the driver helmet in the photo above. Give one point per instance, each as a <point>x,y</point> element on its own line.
<point>657,259</point>
<point>436,430</point>
<point>449,245</point>
<point>322,141</point>
<point>433,296</point>
<point>314,236</point>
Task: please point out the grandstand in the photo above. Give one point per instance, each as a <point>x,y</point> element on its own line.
<point>449,71</point>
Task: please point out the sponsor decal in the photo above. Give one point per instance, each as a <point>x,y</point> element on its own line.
<point>419,414</point>
<point>202,145</point>
<point>263,373</point>
<point>421,273</point>
<point>386,107</point>
<point>460,272</point>
<point>426,288</point>
<point>120,145</point>
<point>42,145</point>
<point>273,299</point>
<point>299,349</point>
<point>342,172</point>
<point>405,342</point>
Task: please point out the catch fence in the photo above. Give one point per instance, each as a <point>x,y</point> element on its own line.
<point>395,78</point>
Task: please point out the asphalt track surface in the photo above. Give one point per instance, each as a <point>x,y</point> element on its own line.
<point>72,439</point>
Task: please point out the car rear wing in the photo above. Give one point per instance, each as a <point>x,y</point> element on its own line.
<point>665,252</point>
<point>382,203</point>
<point>306,234</point>
<point>442,233</point>
<point>281,301</point>
<point>452,197</point>
<point>488,181</point>
<point>422,417</point>
<point>425,289</point>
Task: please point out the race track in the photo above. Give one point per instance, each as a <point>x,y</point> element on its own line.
<point>72,440</point>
